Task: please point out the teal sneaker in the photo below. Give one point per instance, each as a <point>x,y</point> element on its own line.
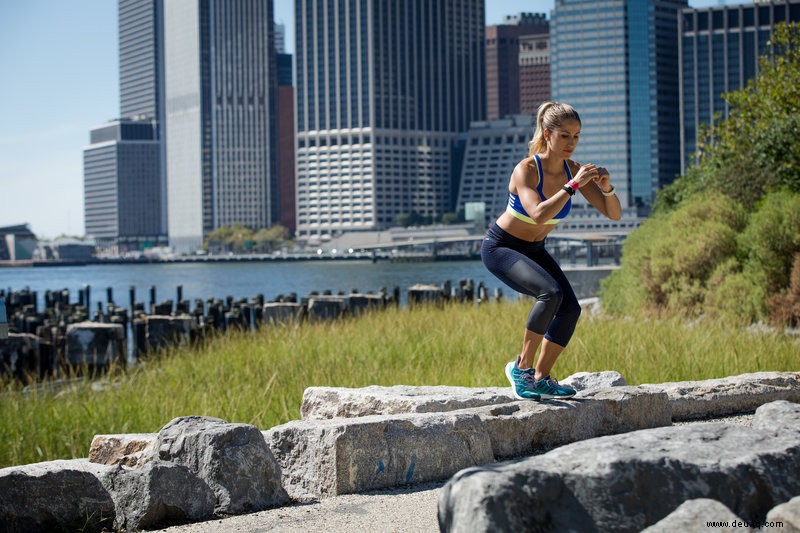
<point>522,381</point>
<point>548,388</point>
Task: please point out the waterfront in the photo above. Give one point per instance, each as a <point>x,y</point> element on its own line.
<point>246,280</point>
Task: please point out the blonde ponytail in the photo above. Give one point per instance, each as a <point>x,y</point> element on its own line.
<point>551,115</point>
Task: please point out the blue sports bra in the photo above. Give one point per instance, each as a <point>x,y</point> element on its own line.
<point>515,206</point>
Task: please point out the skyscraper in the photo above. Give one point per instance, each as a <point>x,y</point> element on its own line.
<point>221,121</point>
<point>124,173</point>
<point>123,199</point>
<point>383,88</point>
<point>514,50</point>
<point>720,49</point>
<point>616,62</point>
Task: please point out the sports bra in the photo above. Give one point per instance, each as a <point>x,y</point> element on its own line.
<point>515,206</point>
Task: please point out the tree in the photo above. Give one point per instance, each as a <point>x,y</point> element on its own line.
<point>267,239</point>
<point>724,238</point>
<point>757,148</point>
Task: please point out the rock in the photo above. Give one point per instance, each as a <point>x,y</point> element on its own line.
<point>321,458</point>
<point>165,331</point>
<point>788,514</point>
<point>94,344</point>
<point>280,312</point>
<point>425,294</point>
<point>778,415</point>
<point>332,402</point>
<point>129,449</point>
<point>233,459</point>
<point>324,308</point>
<point>730,395</point>
<point>594,380</point>
<point>631,481</point>
<point>695,515</point>
<point>63,495</point>
<point>159,494</point>
<point>525,427</point>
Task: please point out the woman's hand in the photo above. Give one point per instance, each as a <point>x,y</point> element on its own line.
<point>586,174</point>
<point>603,179</point>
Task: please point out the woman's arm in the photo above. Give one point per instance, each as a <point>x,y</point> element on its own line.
<point>607,203</point>
<point>525,179</point>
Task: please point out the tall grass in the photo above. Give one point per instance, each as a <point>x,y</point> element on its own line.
<point>259,377</point>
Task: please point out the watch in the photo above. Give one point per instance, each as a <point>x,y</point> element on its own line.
<point>569,190</point>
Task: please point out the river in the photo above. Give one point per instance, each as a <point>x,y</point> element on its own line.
<point>246,280</point>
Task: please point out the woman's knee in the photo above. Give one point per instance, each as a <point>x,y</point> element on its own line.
<point>570,309</point>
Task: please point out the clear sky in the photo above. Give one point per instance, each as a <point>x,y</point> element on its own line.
<point>60,77</point>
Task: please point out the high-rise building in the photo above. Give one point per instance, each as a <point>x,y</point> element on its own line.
<point>383,89</point>
<point>616,62</point>
<point>124,173</point>
<point>122,185</point>
<point>719,51</point>
<point>493,149</point>
<point>286,140</point>
<point>517,60</point>
<point>141,64</point>
<point>534,72</point>
<point>280,38</point>
<point>221,126</point>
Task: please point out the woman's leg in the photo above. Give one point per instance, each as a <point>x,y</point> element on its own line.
<point>564,321</point>
<point>547,358</point>
<point>527,277</point>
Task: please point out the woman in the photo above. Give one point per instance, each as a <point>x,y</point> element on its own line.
<point>539,195</point>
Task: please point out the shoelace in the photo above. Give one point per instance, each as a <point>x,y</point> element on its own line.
<point>527,379</point>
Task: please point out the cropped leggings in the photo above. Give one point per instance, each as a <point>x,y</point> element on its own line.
<point>528,268</point>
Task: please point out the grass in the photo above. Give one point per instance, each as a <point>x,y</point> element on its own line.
<point>259,377</point>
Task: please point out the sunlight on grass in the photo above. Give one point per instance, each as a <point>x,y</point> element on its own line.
<point>258,377</point>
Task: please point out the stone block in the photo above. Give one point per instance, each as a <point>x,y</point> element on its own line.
<point>594,380</point>
<point>128,449</point>
<point>233,459</point>
<point>331,402</point>
<point>280,312</point>
<point>321,458</point>
<point>20,355</point>
<point>359,303</point>
<point>157,495</point>
<point>788,514</point>
<point>631,481</point>
<point>95,344</point>
<point>64,495</point>
<point>322,308</point>
<point>164,331</point>
<point>525,427</point>
<point>425,294</point>
<point>729,395</point>
<point>693,515</point>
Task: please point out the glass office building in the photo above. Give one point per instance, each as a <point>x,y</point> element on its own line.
<point>122,185</point>
<point>124,172</point>
<point>383,89</point>
<point>616,62</point>
<point>719,51</point>
<point>220,117</point>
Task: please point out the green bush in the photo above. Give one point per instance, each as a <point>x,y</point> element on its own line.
<point>772,238</point>
<point>625,289</point>
<point>734,295</point>
<point>666,263</point>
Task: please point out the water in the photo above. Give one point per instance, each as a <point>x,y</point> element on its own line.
<point>246,280</point>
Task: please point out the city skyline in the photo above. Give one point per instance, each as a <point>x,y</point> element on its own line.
<point>72,48</point>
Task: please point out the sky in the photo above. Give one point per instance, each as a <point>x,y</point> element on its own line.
<point>60,77</point>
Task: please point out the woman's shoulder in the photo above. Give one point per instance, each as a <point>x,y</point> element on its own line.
<point>526,170</point>
<point>527,164</point>
<point>574,166</point>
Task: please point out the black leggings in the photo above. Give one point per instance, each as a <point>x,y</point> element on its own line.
<point>528,268</point>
